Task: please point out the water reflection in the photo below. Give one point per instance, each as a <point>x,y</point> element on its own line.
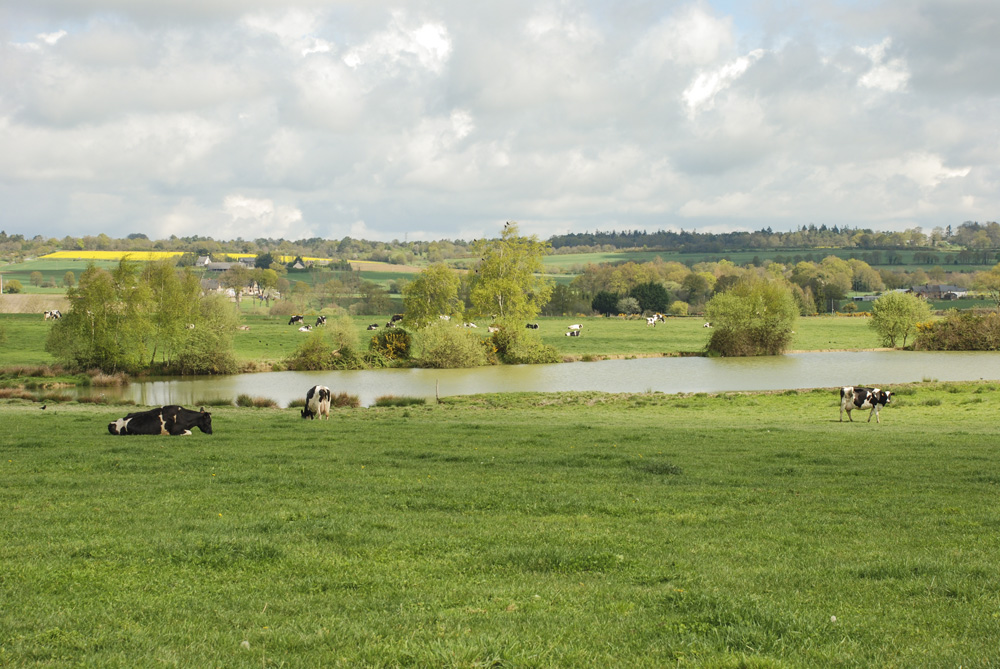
<point>668,375</point>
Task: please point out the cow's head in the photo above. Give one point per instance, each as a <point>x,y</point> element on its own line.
<point>884,397</point>
<point>204,422</point>
<point>306,413</point>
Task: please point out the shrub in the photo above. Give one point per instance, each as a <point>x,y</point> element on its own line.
<point>345,400</point>
<point>244,400</point>
<point>960,331</point>
<point>517,346</point>
<point>102,380</point>
<point>444,346</point>
<point>753,317</point>
<point>392,344</point>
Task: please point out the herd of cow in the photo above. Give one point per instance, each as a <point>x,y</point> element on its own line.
<point>176,420</point>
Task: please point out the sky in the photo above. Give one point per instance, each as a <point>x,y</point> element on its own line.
<point>425,120</point>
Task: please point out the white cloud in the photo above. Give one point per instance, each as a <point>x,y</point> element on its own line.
<point>700,94</point>
<point>403,44</point>
<point>889,75</point>
<point>310,118</point>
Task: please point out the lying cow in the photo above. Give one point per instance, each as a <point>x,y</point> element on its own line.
<point>317,403</point>
<point>173,420</point>
<point>55,314</point>
<point>373,326</point>
<point>852,398</point>
<point>573,333</point>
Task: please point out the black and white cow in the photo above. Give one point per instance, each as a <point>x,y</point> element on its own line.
<point>173,420</point>
<point>852,398</point>
<point>531,326</point>
<point>573,333</point>
<point>54,314</point>
<point>296,319</point>
<point>317,403</point>
<point>321,320</point>
<point>396,318</point>
<point>373,326</point>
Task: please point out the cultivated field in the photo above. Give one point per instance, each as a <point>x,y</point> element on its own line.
<point>569,530</point>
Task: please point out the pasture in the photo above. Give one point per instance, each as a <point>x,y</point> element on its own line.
<point>270,339</point>
<point>570,530</point>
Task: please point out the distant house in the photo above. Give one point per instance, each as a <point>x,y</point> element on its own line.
<point>941,291</point>
<point>202,261</point>
<point>218,266</point>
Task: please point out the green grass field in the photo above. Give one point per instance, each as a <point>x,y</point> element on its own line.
<point>563,530</point>
<point>270,338</point>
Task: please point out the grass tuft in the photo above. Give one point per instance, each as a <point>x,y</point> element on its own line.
<point>245,400</point>
<point>398,401</point>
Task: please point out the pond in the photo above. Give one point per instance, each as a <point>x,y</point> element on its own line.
<point>667,375</point>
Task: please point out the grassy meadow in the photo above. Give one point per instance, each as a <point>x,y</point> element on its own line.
<point>270,339</point>
<point>541,530</point>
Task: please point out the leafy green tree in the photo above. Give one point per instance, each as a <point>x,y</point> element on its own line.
<point>173,306</point>
<point>652,297</point>
<point>754,317</point>
<point>36,278</point>
<point>433,293</point>
<point>69,280</point>
<point>106,326</point>
<point>508,282</point>
<point>606,303</point>
<point>894,316</point>
<point>208,348</point>
<point>236,278</point>
<point>989,283</point>
<point>628,305</point>
<point>13,286</point>
<point>264,261</point>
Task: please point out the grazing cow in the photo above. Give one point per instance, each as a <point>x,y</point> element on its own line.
<point>573,333</point>
<point>575,326</point>
<point>317,403</point>
<point>321,320</point>
<point>852,397</point>
<point>54,314</point>
<point>173,420</point>
<point>296,319</point>
<point>651,320</point>
<point>305,328</point>
<point>531,326</point>
<point>373,326</point>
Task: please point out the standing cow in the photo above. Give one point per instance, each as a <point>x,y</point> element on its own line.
<point>317,403</point>
<point>852,397</point>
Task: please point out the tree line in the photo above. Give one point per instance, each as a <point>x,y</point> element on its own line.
<point>980,241</point>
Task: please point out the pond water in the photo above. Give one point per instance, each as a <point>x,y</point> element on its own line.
<point>667,375</point>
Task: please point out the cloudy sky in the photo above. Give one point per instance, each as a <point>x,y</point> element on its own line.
<point>441,119</point>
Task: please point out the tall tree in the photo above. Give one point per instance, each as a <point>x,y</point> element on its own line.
<point>894,316</point>
<point>433,293</point>
<point>508,282</point>
<point>753,317</point>
<point>106,326</point>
